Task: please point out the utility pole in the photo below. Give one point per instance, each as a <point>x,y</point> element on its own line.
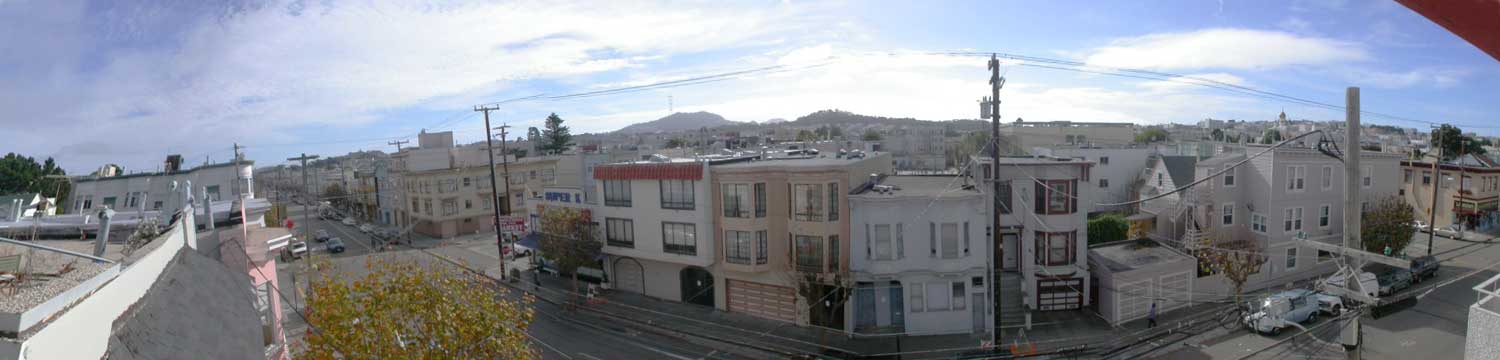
<point>398,144</point>
<point>237,178</point>
<point>1351,336</point>
<point>489,147</point>
<point>996,82</point>
<point>306,224</point>
<point>1437,179</point>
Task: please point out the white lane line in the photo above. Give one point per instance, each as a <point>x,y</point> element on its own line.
<point>548,346</point>
<point>710,355</point>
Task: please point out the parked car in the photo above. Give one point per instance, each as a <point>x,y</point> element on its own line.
<point>1423,267</point>
<point>320,235</point>
<point>335,245</point>
<point>1393,279</point>
<point>1421,226</point>
<point>350,221</point>
<point>1367,280</point>
<point>367,228</point>
<point>298,249</point>
<point>521,250</point>
<point>1282,309</point>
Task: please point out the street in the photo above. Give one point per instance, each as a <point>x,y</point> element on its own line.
<point>556,333</point>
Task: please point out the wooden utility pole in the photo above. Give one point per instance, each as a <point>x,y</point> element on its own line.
<point>490,148</point>
<point>996,82</point>
<point>398,144</point>
<point>1351,336</point>
<point>306,224</point>
<point>1437,179</point>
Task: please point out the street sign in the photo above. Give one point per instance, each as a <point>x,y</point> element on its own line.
<point>289,223</point>
<point>512,223</point>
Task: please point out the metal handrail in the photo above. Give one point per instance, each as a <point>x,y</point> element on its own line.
<point>1486,291</point>
<point>53,249</point>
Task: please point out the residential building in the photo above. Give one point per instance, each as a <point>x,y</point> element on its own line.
<point>1030,134</point>
<point>451,201</point>
<point>657,221</point>
<point>390,176</point>
<point>153,190</point>
<point>1470,203</point>
<point>919,256</point>
<point>1115,172</point>
<point>1266,205</point>
<point>1042,229</point>
<point>1133,275</point>
<point>783,225</point>
<point>17,207</point>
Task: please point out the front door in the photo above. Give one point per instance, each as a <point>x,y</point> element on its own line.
<point>978,312</point>
<point>897,308</point>
<point>864,318</point>
<point>697,286</point>
<point>1009,242</point>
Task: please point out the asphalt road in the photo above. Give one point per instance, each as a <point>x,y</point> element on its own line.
<point>557,333</point>
<point>1431,327</point>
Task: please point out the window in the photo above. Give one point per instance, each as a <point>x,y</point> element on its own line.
<point>809,253</point>
<point>932,239</point>
<point>1324,256</point>
<point>938,296</point>
<point>1291,258</point>
<point>1228,214</point>
<point>1103,183</point>
<point>415,207</point>
<point>1295,176</point>
<point>1426,178</point>
<point>736,200</point>
<point>1257,223</point>
<point>619,232</point>
<point>156,205</point>
<point>679,238</point>
<point>1055,197</point>
<point>617,193</point>
<point>1159,182</point>
<point>1229,177</point>
<point>1406,176</point>
<point>427,206</point>
<point>950,240</point>
<point>466,181</point>
<point>833,253</point>
<point>760,247</point>
<point>109,202</point>
<point>917,304</point>
<point>959,293</point>
<point>1327,177</point>
<point>1323,213</point>
<point>833,201</point>
<point>760,200</point>
<point>677,194</point>
<point>1055,248</point>
<point>450,206</point>
<point>88,202</point>
<point>452,185</point>
<point>1103,160</point>
<point>807,202</point>
<point>487,202</point>
<point>1366,178</point>
<point>1293,220</point>
<point>1004,195</point>
<point>881,242</point>
<point>900,243</point>
<point>468,204</point>
<point>737,246</point>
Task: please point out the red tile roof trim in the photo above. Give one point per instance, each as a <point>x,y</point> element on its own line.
<point>676,171</point>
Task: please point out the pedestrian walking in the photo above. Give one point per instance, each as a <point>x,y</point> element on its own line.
<point>1151,317</point>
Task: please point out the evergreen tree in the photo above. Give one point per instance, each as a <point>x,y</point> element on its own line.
<point>555,137</point>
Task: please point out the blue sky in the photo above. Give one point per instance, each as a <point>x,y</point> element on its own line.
<point>129,82</point>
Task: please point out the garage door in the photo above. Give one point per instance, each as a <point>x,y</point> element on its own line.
<point>1174,290</point>
<point>767,301</point>
<point>1134,301</point>
<point>629,276</point>
<point>1059,294</point>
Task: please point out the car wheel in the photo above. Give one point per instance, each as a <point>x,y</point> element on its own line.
<point>1313,317</point>
<point>1275,331</point>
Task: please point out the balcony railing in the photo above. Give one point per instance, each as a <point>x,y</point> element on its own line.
<point>1488,291</point>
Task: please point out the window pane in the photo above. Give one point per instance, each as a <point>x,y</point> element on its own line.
<point>833,201</point>
<point>808,202</point>
<point>950,240</point>
<point>833,253</point>
<point>760,247</point>
<point>958,295</point>
<point>809,253</point>
<point>760,200</point>
<point>938,296</point>
<point>882,242</point>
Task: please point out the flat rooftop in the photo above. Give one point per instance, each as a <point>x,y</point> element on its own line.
<point>925,186</point>
<point>1131,255</point>
<point>1034,160</point>
<point>824,160</point>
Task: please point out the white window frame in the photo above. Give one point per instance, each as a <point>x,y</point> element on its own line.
<point>918,299</point>
<point>1325,216</point>
<point>1291,221</point>
<point>1296,178</point>
<point>1229,179</point>
<point>1327,177</point>
<point>1291,259</point>
<point>1258,223</point>
<point>1226,214</point>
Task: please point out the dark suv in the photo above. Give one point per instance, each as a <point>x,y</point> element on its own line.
<point>1423,267</point>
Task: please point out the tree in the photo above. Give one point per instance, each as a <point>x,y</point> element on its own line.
<point>532,134</point>
<point>406,311</point>
<point>21,174</point>
<point>871,135</point>
<point>674,143</point>
<point>1387,222</point>
<point>1151,135</point>
<point>1107,228</point>
<point>1271,136</point>
<point>555,136</point>
<point>568,241</point>
<point>1453,143</point>
<point>1237,260</point>
<point>804,135</point>
<point>1217,135</point>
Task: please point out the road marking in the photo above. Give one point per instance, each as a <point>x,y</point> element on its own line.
<point>709,355</point>
<point>548,346</point>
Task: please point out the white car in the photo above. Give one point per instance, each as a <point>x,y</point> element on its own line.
<point>350,221</point>
<point>1421,226</point>
<point>367,228</point>
<point>298,249</point>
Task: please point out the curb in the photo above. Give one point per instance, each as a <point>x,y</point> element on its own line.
<point>662,330</point>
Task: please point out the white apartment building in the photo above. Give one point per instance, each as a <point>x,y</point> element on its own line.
<point>1029,134</point>
<point>152,191</point>
<point>920,257</point>
<point>1268,202</point>
<point>657,222</point>
<point>1043,228</point>
<point>1115,170</point>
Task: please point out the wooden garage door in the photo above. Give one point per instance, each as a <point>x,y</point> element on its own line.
<point>1134,300</point>
<point>762,300</point>
<point>629,276</point>
<point>1059,294</point>
<point>1174,290</point>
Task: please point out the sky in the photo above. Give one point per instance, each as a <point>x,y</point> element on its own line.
<point>126,82</point>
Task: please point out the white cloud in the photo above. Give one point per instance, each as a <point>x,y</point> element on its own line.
<point>1238,49</point>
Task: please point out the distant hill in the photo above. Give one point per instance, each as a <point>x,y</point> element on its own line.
<point>678,122</point>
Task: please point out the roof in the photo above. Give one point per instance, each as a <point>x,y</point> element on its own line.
<point>1221,160</point>
<point>1180,168</point>
<point>197,309</point>
<point>1034,160</point>
<point>924,186</point>
<point>1131,255</point>
<point>159,173</point>
<point>799,162</point>
<point>27,197</point>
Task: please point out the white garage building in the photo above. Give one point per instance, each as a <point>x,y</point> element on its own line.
<point>1132,274</point>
